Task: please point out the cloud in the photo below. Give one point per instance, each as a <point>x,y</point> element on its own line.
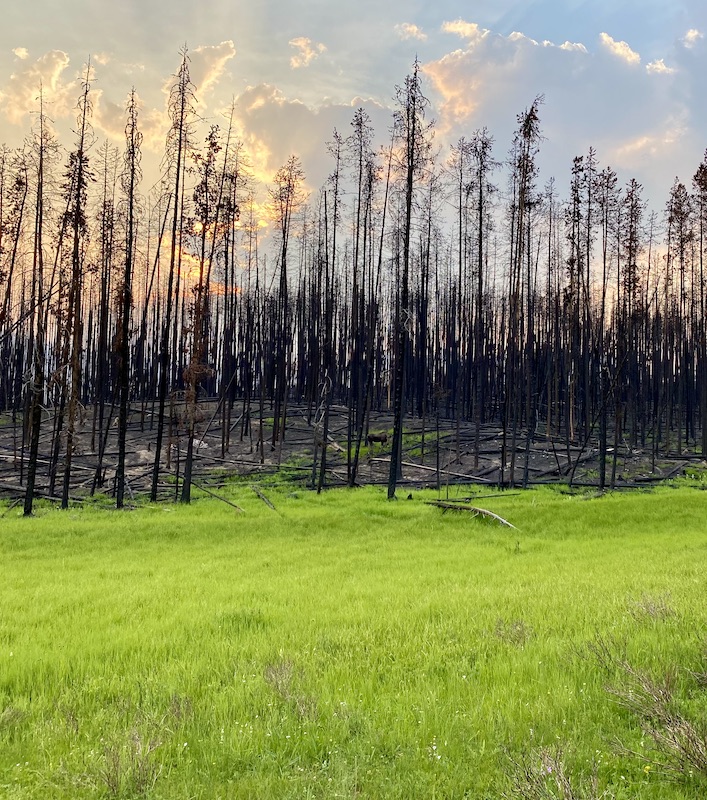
<point>207,65</point>
<point>659,67</point>
<point>691,38</point>
<point>591,100</point>
<point>265,120</point>
<point>407,30</point>
<point>272,126</point>
<point>517,36</point>
<point>110,118</point>
<point>21,52</point>
<point>19,97</point>
<point>578,46</point>
<point>466,30</point>
<point>619,49</point>
<point>307,51</point>
<point>635,152</point>
<point>515,67</point>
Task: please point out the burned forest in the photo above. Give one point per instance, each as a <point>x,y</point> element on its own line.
<point>429,315</point>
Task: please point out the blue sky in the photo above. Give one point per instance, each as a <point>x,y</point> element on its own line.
<point>623,76</point>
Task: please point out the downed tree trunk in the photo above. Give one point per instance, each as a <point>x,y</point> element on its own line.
<point>475,510</point>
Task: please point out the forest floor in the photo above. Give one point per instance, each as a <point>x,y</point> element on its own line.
<point>435,454</point>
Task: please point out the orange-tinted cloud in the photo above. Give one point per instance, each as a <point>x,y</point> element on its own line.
<point>407,30</point>
<point>306,51</point>
<point>208,63</point>
<point>466,30</point>
<point>20,96</point>
<point>593,98</point>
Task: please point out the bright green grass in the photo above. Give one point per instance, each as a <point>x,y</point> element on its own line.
<point>343,646</point>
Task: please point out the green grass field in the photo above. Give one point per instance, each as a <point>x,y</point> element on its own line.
<point>345,646</point>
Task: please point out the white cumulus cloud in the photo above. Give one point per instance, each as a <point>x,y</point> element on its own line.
<point>578,46</point>
<point>620,49</point>
<point>691,38</point>
<point>659,67</point>
<point>594,98</point>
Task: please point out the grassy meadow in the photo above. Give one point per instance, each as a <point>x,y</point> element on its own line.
<point>343,646</point>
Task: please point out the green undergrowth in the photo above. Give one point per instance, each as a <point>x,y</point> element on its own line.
<point>342,645</point>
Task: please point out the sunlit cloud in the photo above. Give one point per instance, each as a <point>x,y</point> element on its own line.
<point>406,30</point>
<point>153,125</point>
<point>459,98</point>
<point>577,46</point>
<point>661,144</point>
<point>591,100</point>
<point>19,97</point>
<point>619,49</point>
<point>517,36</point>
<point>307,51</point>
<point>110,118</point>
<point>208,63</point>
<point>258,103</point>
<point>659,67</point>
<point>273,125</point>
<point>21,52</point>
<point>492,66</point>
<point>466,30</point>
<point>691,38</point>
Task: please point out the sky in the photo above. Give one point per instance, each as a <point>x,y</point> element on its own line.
<point>622,76</point>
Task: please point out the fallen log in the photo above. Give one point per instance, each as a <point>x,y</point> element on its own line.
<point>475,510</point>
<point>217,496</point>
<point>263,498</point>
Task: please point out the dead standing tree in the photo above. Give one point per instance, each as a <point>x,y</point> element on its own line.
<point>78,176</point>
<point>699,183</point>
<point>413,138</point>
<point>14,189</point>
<point>181,108</point>
<point>208,199</point>
<point>363,318</point>
<point>43,148</point>
<point>286,197</point>
<point>130,180</point>
<point>328,259</point>
<point>519,329</point>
